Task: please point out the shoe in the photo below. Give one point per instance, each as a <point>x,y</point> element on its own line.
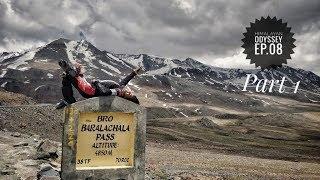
<point>139,70</point>
<point>67,68</point>
<point>61,104</point>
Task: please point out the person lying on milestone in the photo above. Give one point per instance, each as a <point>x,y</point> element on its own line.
<point>75,77</point>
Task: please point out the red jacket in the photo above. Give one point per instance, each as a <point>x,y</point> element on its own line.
<point>84,86</point>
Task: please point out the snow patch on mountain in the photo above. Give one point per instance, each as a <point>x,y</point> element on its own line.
<point>41,60</point>
<point>183,114</point>
<point>6,55</point>
<point>168,94</point>
<point>4,72</point>
<point>136,62</point>
<point>24,68</point>
<point>3,84</point>
<point>113,57</point>
<point>50,76</point>
<point>175,73</point>
<point>80,48</point>
<point>169,64</point>
<point>70,48</point>
<point>37,88</point>
<point>107,72</point>
<point>22,60</point>
<point>117,59</point>
<point>109,66</point>
<point>210,82</point>
<point>287,78</point>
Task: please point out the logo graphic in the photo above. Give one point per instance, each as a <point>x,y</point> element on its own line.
<point>268,43</point>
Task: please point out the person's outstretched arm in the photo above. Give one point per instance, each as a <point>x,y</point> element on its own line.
<point>126,80</point>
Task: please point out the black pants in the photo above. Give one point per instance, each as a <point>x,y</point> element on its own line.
<point>102,88</point>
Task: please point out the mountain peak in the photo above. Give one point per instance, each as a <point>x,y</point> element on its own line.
<point>82,36</point>
<point>59,41</point>
<point>193,63</point>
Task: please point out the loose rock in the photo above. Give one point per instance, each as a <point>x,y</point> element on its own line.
<point>46,149</point>
<point>47,173</point>
<point>16,134</point>
<point>21,144</point>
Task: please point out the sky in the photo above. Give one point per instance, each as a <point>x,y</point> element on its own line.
<point>209,31</point>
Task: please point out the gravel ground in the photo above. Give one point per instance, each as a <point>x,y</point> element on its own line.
<point>176,162</point>
<point>163,161</point>
<point>42,119</point>
<point>23,155</point>
<point>228,146</point>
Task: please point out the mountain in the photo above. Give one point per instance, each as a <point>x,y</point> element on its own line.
<point>195,111</point>
<point>35,73</point>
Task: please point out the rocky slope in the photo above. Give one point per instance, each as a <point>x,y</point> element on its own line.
<point>10,98</point>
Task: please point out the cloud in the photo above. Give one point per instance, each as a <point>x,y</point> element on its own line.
<point>210,30</point>
<point>237,60</point>
<point>307,56</point>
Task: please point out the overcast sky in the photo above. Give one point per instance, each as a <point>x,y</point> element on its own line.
<point>207,30</point>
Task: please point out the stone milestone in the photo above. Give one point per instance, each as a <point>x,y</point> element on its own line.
<point>104,138</point>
